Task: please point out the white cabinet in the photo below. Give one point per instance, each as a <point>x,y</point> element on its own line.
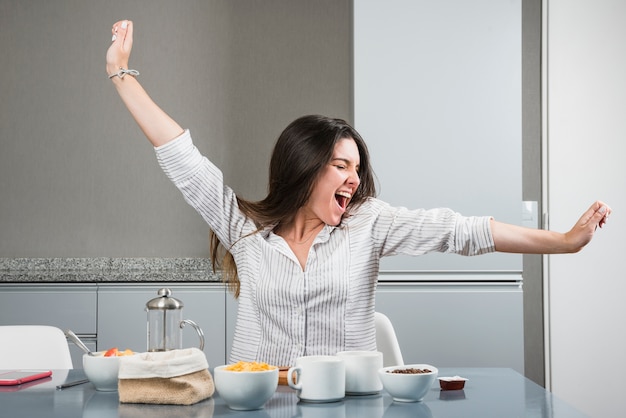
<point>448,74</point>
<point>456,325</point>
<point>122,319</point>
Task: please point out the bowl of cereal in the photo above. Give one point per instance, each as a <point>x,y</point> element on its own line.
<point>246,386</point>
<point>408,383</point>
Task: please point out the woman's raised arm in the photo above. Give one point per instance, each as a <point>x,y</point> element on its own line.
<point>157,125</point>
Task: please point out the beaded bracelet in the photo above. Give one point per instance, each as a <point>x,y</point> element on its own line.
<point>123,71</point>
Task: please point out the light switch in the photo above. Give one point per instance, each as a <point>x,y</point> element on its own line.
<point>530,216</point>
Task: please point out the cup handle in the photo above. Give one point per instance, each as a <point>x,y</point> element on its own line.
<point>197,328</point>
<point>297,370</point>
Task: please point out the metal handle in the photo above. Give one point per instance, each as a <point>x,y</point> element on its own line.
<point>197,328</point>
<point>70,334</point>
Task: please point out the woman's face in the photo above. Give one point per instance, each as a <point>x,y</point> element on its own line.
<point>336,185</point>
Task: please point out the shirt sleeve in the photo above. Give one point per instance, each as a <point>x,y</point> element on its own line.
<point>421,231</point>
<point>202,186</point>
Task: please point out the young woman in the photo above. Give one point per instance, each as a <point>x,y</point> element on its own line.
<point>304,261</point>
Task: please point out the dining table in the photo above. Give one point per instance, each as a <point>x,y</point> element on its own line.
<point>488,392</point>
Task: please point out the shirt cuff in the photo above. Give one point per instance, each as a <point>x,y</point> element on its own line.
<point>179,158</point>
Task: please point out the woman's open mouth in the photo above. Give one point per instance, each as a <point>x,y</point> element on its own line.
<point>342,199</point>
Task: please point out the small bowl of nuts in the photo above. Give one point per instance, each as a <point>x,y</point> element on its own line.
<point>408,383</point>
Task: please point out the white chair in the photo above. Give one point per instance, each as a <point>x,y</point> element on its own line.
<point>386,341</point>
<point>33,347</point>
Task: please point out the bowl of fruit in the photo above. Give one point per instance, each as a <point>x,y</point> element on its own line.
<point>101,368</point>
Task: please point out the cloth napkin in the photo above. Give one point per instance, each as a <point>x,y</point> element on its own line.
<point>177,377</point>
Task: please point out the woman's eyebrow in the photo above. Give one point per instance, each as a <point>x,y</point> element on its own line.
<point>346,161</point>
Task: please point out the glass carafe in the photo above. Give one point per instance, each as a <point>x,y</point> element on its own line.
<point>166,323</point>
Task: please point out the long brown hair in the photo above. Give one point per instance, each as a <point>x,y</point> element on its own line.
<point>301,152</point>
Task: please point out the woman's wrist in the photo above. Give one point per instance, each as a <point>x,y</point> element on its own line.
<point>112,68</point>
<point>122,72</point>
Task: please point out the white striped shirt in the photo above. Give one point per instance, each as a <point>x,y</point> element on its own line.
<point>285,312</point>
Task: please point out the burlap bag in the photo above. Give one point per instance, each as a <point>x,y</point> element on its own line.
<point>202,409</point>
<point>176,377</point>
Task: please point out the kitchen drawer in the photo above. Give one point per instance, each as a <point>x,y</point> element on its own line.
<point>60,305</point>
<point>456,324</point>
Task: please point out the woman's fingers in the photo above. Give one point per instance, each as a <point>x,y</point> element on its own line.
<point>122,30</point>
<point>114,30</point>
<point>121,44</point>
<point>599,213</point>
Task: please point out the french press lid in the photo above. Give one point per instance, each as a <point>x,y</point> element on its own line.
<point>164,301</point>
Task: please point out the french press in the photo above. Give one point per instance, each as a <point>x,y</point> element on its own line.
<point>166,323</point>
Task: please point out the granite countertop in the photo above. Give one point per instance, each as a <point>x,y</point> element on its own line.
<point>104,270</point>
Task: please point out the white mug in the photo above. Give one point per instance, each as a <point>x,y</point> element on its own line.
<point>362,371</point>
<point>318,378</point>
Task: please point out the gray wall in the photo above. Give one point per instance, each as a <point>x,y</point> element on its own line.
<point>77,178</point>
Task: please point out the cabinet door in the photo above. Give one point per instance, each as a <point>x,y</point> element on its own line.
<point>62,306</point>
<point>122,319</point>
<point>456,325</point>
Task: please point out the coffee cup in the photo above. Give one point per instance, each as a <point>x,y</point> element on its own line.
<point>318,378</point>
<point>362,371</point>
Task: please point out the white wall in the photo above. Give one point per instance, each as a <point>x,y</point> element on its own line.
<point>585,130</point>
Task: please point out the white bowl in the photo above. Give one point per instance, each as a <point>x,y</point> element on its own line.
<point>102,371</point>
<point>408,387</point>
<point>245,391</point>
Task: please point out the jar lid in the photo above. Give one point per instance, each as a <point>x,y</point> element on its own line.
<point>164,301</point>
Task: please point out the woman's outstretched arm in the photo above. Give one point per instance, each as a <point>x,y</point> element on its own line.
<point>157,125</point>
<point>516,239</point>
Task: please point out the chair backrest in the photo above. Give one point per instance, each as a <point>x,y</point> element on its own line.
<point>33,347</point>
<point>386,341</point>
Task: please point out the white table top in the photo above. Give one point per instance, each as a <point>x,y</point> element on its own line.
<point>489,392</point>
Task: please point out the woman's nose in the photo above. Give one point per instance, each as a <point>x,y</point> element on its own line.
<point>354,179</point>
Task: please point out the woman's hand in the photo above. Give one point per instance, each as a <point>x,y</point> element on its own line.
<point>582,232</point>
<point>122,43</point>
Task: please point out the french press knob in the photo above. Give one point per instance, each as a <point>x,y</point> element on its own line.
<point>166,323</point>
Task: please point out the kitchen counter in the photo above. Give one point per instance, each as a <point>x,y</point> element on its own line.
<point>105,270</point>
